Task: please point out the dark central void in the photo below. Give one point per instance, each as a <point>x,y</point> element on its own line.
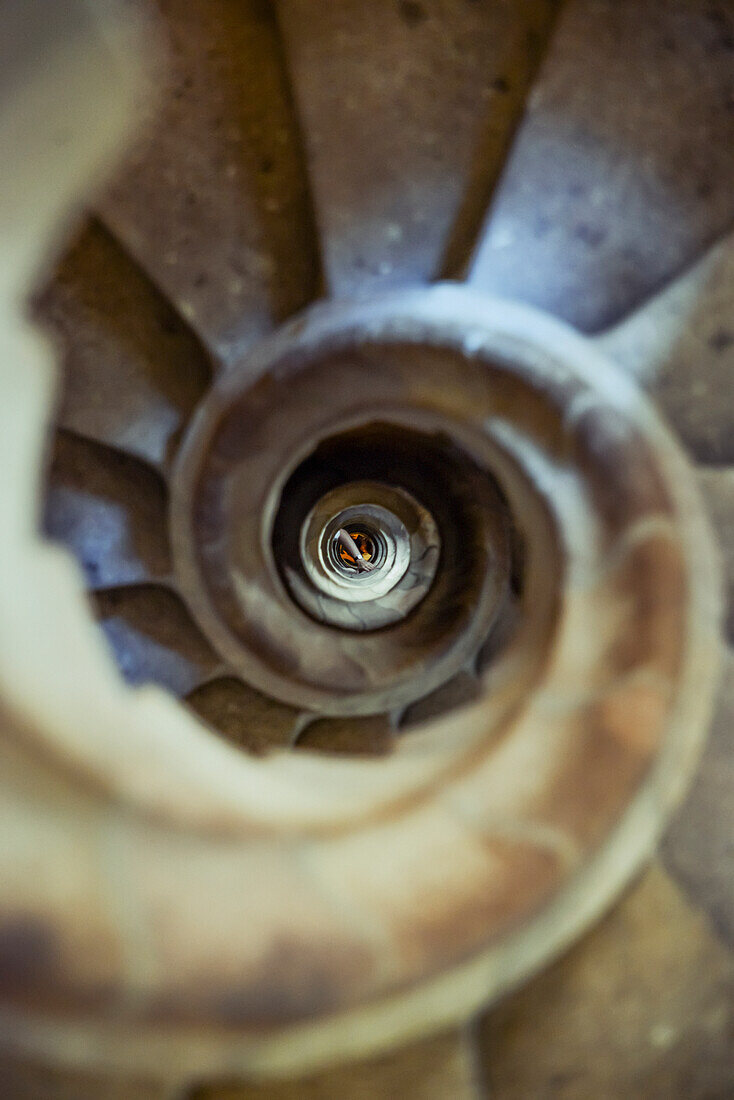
<point>442,477</point>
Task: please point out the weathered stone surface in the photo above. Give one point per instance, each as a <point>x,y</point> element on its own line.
<point>109,510</point>
<point>621,173</point>
<point>131,371</point>
<point>699,848</point>
<point>680,347</point>
<point>718,490</point>
<point>154,638</point>
<point>642,1008</point>
<point>459,690</point>
<point>646,1009</point>
<point>26,1080</point>
<point>407,108</point>
<point>244,716</point>
<point>213,202</point>
<point>434,1069</point>
<point>369,736</point>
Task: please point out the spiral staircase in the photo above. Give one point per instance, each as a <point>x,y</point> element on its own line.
<point>370,263</point>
